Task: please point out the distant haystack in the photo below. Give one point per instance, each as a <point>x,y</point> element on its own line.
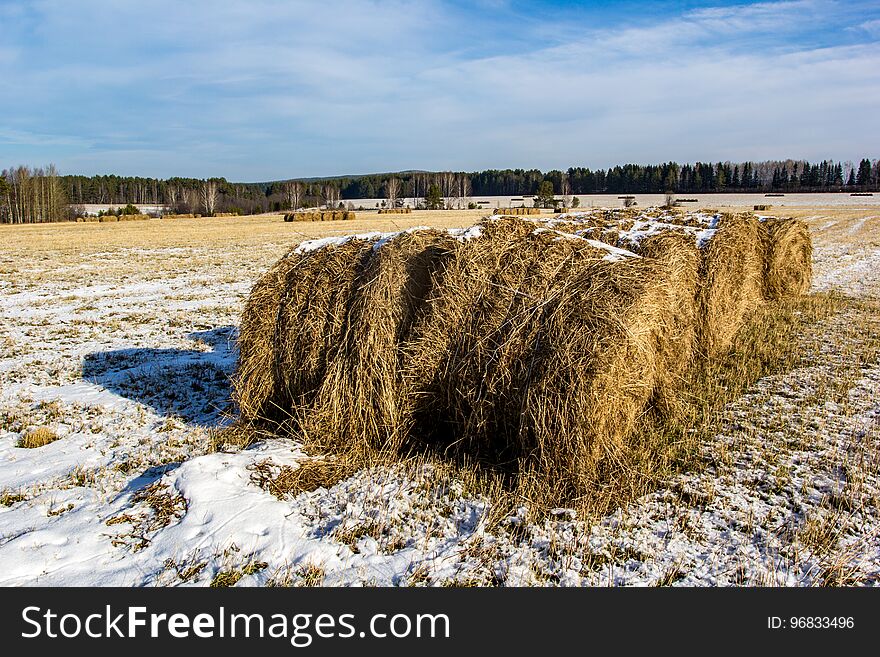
<point>517,211</point>
<point>324,215</point>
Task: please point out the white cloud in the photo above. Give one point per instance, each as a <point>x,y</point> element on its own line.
<point>271,89</point>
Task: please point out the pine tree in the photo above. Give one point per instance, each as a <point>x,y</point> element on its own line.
<point>864,177</point>
<point>433,199</point>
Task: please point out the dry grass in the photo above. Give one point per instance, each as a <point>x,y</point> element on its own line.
<point>255,231</point>
<point>309,475</point>
<point>39,437</point>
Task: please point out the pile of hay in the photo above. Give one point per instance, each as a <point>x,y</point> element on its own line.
<point>529,345</point>
<point>517,211</point>
<point>322,215</point>
<point>515,344</point>
<point>395,210</point>
<point>186,215</point>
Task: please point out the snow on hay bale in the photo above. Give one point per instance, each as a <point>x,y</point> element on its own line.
<point>504,342</point>
<point>788,252</point>
<point>732,264</point>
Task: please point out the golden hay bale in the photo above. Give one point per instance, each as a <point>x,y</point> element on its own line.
<point>517,211</point>
<point>311,316</point>
<point>256,383</point>
<point>732,268</point>
<point>533,350</point>
<point>541,352</point>
<point>731,282</point>
<point>108,218</point>
<point>788,258</point>
<point>362,401</point>
<point>680,260</point>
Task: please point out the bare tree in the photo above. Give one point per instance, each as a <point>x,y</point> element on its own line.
<point>208,193</point>
<point>392,191</point>
<point>330,193</point>
<point>447,187</point>
<point>293,191</point>
<point>465,189</point>
<point>32,196</point>
<point>565,191</point>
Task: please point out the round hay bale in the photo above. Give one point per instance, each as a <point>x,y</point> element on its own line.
<point>311,316</point>
<point>788,258</point>
<point>680,262</point>
<point>256,383</point>
<point>362,402</point>
<point>731,282</point>
<point>540,352</point>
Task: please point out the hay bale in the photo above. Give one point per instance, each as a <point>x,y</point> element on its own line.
<point>108,218</point>
<point>540,351</point>
<point>521,346</point>
<point>311,316</point>
<point>256,384</point>
<point>362,402</point>
<point>517,211</point>
<point>788,258</point>
<point>731,282</point>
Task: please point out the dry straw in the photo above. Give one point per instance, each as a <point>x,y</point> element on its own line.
<point>730,282</point>
<point>327,215</point>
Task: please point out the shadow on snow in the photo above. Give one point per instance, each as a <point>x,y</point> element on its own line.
<point>186,383</point>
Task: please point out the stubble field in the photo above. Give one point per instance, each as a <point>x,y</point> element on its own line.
<point>116,346</point>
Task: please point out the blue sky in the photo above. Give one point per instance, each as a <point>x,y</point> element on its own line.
<point>271,89</point>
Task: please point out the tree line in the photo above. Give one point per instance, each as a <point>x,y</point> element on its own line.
<point>34,195</point>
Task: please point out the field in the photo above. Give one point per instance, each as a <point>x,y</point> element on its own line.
<point>116,346</point>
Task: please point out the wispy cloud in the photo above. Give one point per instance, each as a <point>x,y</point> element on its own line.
<point>271,89</point>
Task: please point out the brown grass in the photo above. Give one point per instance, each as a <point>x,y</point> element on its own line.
<point>39,437</point>
<point>309,475</point>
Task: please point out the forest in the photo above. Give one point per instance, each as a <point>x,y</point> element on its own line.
<point>42,194</point>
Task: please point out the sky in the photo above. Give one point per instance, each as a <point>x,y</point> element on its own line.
<point>274,89</point>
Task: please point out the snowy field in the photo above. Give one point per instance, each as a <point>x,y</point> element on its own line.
<point>118,340</point>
